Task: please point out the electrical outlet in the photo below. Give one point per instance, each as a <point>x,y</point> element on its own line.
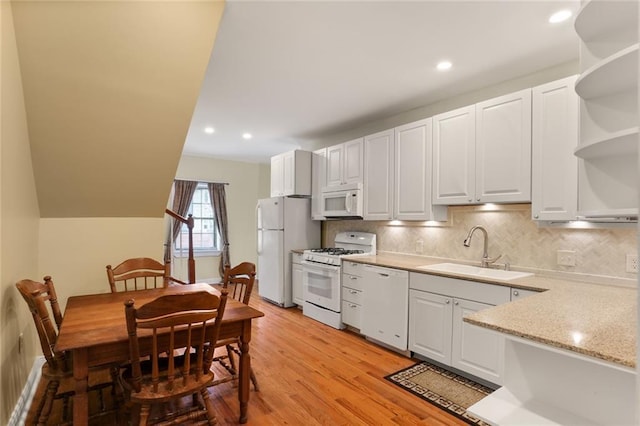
<point>632,263</point>
<point>419,246</point>
<point>566,258</point>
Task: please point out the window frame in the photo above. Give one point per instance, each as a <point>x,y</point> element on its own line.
<point>183,252</point>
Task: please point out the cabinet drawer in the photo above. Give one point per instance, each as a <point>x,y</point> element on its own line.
<point>352,295</point>
<point>352,314</point>
<point>491,294</point>
<point>352,281</point>
<point>352,268</point>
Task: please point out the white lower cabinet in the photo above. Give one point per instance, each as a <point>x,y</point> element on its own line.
<point>430,325</point>
<point>352,294</point>
<point>476,350</point>
<point>437,330</point>
<point>296,278</point>
<point>385,305</point>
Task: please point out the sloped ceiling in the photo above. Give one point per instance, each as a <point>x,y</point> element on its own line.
<point>110,88</point>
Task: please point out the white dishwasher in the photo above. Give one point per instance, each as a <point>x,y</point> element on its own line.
<point>385,305</point>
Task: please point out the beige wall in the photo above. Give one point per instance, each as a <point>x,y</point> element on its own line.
<point>512,233</point>
<point>75,251</point>
<point>248,182</point>
<point>19,215</point>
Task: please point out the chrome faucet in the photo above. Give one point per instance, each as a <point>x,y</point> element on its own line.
<point>486,260</point>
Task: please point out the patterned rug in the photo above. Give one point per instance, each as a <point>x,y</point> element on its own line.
<point>444,389</point>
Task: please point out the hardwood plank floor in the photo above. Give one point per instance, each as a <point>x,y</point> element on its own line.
<point>312,374</point>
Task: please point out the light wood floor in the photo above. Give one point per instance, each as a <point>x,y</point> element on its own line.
<point>312,374</point>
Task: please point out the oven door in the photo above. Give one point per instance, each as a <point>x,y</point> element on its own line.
<point>321,285</point>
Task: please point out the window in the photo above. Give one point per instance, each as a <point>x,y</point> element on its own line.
<point>206,239</point>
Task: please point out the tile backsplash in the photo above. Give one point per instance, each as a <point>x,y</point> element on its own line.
<point>512,233</point>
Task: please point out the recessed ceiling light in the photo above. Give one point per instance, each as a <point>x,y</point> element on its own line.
<point>444,65</point>
<point>560,16</point>
<point>247,136</point>
<point>209,130</point>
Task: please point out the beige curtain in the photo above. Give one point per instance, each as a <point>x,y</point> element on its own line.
<point>219,201</point>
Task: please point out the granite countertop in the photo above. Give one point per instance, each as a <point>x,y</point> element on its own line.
<point>597,320</point>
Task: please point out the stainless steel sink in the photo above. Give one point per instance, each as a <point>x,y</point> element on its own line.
<point>475,271</point>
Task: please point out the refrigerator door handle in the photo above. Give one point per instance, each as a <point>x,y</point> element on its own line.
<point>259,251</point>
<point>258,216</point>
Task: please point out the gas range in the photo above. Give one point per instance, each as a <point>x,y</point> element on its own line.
<point>346,244</point>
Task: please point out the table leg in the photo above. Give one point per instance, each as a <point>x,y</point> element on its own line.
<point>81,376</point>
<point>245,369</point>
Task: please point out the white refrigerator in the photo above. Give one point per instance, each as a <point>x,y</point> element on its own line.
<point>284,224</point>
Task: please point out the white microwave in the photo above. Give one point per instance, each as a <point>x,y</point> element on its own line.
<point>342,201</point>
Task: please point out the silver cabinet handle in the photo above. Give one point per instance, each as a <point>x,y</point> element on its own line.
<point>353,292</point>
<point>351,277</point>
<point>456,303</point>
<point>383,275</point>
<point>351,305</point>
<point>448,301</point>
<point>515,292</point>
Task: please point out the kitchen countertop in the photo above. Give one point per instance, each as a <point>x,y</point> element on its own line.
<point>597,320</point>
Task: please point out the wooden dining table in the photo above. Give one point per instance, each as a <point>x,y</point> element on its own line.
<point>94,330</point>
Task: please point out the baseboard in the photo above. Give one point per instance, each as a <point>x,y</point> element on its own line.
<point>20,411</point>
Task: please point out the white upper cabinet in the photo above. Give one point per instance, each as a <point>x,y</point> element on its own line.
<point>397,181</point>
<point>503,149</point>
<point>482,153</point>
<point>345,163</point>
<point>454,156</point>
<point>608,87</point>
<point>554,183</point>
<point>291,174</point>
<point>378,175</point>
<point>318,181</point>
<point>413,164</point>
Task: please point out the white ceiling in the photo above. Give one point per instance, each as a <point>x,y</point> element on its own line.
<point>293,71</point>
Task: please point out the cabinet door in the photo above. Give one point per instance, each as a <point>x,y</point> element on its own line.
<point>335,157</point>
<point>476,350</point>
<point>503,149</point>
<point>296,283</point>
<point>385,307</point>
<point>277,175</point>
<point>554,184</point>
<point>378,175</point>
<point>413,166</point>
<point>454,153</point>
<point>318,181</point>
<point>430,325</point>
<point>353,163</point>
<point>289,173</point>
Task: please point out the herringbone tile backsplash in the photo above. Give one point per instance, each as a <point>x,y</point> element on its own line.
<point>512,233</point>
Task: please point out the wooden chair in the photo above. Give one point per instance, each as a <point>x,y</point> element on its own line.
<point>57,368</point>
<point>139,273</point>
<point>239,282</point>
<point>173,322</point>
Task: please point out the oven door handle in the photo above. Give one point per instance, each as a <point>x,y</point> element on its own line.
<point>320,267</point>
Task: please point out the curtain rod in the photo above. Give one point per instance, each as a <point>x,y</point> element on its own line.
<point>203,181</point>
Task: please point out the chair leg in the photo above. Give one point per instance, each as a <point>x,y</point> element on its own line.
<point>144,414</point>
<point>254,380</point>
<point>52,389</point>
<point>231,360</point>
<point>211,415</point>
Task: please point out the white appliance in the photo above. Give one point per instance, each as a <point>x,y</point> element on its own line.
<point>321,275</point>
<point>343,201</point>
<point>284,224</point>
